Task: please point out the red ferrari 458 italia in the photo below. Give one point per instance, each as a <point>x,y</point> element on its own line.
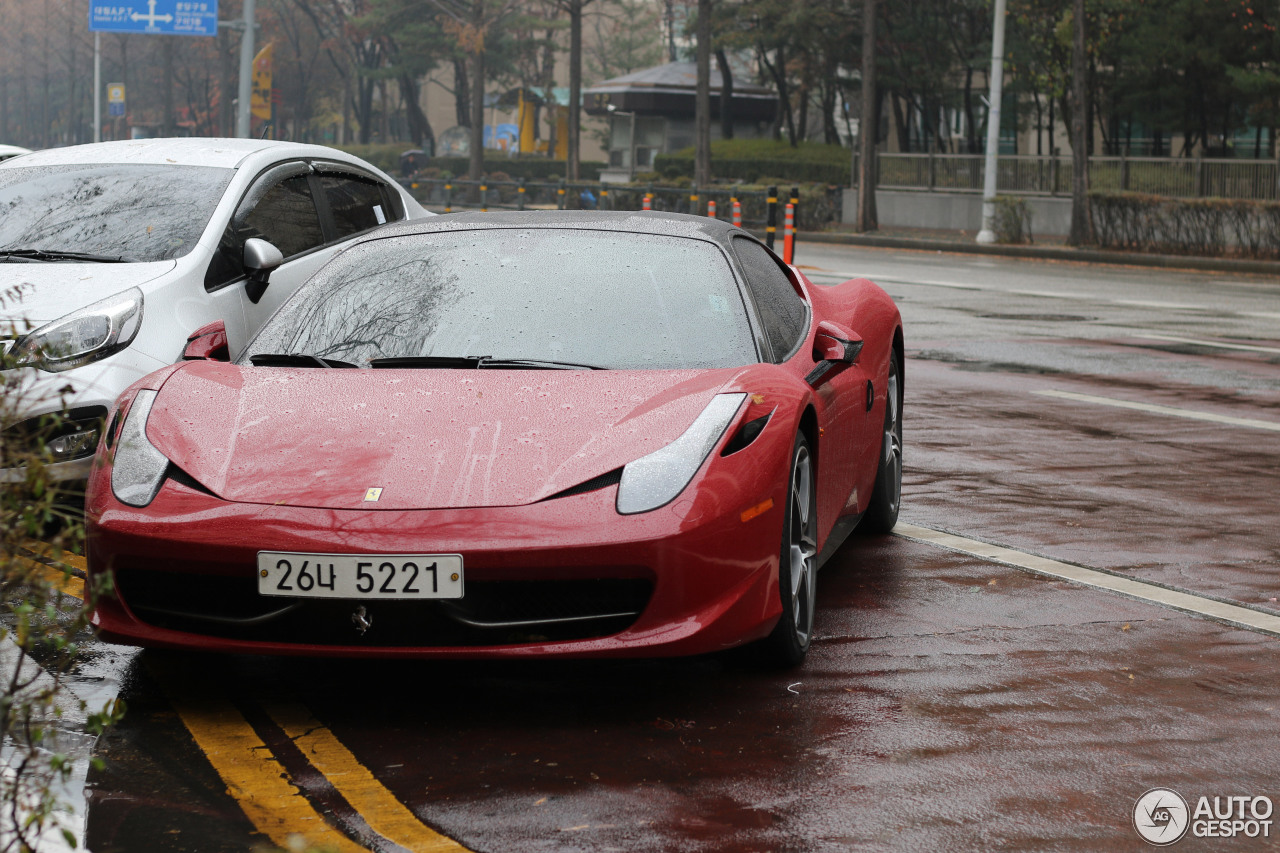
<point>547,433</point>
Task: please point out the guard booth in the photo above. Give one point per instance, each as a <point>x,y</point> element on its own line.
<point>651,112</point>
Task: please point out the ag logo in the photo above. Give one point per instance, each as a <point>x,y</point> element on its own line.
<point>1160,816</point>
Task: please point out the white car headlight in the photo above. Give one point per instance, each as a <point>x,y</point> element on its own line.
<point>655,480</point>
<point>92,333</point>
<point>138,468</point>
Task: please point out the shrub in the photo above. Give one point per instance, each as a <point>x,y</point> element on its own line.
<point>40,624</point>
<point>1012,221</point>
<point>529,168</point>
<point>755,160</point>
<point>1201,226</point>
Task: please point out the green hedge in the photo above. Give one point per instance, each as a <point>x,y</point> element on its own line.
<point>1192,226</point>
<point>529,168</point>
<point>764,161</point>
<point>386,156</point>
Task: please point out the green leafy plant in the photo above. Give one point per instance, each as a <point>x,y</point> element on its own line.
<point>1193,226</point>
<point>1012,220</point>
<point>42,622</point>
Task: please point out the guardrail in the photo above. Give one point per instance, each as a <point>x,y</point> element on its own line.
<point>456,194</point>
<point>1197,177</point>
<point>813,210</point>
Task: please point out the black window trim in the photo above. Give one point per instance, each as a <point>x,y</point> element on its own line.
<point>754,324</point>
<point>312,168</point>
<point>754,309</point>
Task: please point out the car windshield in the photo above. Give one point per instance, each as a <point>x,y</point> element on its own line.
<point>577,297</point>
<point>127,211</point>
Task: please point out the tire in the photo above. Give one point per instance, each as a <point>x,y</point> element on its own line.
<point>797,566</point>
<point>886,497</point>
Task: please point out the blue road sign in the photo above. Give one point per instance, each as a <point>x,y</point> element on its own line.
<point>164,17</point>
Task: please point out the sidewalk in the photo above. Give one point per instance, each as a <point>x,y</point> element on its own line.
<point>1046,248</point>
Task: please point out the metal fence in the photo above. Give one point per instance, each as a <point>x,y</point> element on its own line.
<point>453,195</point>
<point>1031,175</point>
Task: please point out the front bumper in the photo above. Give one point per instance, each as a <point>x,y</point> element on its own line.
<point>564,577</point>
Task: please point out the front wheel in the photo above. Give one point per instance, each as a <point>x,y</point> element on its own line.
<point>886,497</point>
<point>797,569</point>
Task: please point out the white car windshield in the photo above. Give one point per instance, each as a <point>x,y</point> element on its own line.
<point>111,211</point>
<point>608,299</point>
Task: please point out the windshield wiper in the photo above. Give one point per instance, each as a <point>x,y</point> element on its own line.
<point>54,255</point>
<point>294,359</point>
<point>465,362</point>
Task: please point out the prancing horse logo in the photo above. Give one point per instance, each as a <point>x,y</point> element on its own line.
<point>372,494</point>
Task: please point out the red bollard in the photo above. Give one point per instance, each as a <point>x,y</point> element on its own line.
<point>789,234</point>
<point>711,208</point>
<point>737,213</point>
<point>645,204</point>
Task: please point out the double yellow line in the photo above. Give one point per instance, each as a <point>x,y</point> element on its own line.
<point>254,776</point>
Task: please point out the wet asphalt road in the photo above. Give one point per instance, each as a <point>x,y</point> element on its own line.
<point>950,702</point>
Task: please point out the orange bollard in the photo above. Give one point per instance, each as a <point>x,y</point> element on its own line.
<point>645,204</point>
<point>711,208</point>
<point>789,234</point>
<point>737,213</point>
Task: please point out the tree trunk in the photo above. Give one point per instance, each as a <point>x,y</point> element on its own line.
<point>702,100</point>
<point>1081,224</point>
<point>575,87</point>
<point>970,126</point>
<point>419,128</point>
<point>868,124</point>
<point>726,95</point>
<point>461,94</point>
<point>778,71</point>
<point>476,168</point>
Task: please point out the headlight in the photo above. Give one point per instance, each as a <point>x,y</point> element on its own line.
<point>655,480</point>
<point>92,333</point>
<point>138,468</point>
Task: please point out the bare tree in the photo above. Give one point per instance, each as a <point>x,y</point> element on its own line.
<point>869,124</point>
<point>574,8</point>
<point>1081,222</point>
<point>702,98</point>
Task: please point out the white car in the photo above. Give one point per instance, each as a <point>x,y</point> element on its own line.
<point>112,254</point>
<point>7,151</point>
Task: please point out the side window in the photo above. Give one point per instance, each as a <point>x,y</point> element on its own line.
<point>279,209</point>
<point>357,204</point>
<point>782,311</point>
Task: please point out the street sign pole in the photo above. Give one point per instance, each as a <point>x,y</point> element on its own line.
<point>161,17</point>
<point>97,87</point>
<point>246,72</point>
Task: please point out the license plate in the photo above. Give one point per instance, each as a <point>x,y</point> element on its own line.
<point>359,576</point>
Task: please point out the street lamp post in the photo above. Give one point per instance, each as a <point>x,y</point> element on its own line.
<point>988,234</point>
<point>246,73</point>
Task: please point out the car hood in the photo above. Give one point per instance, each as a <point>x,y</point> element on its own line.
<point>427,438</point>
<point>37,293</point>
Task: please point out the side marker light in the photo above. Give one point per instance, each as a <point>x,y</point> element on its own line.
<point>758,509</point>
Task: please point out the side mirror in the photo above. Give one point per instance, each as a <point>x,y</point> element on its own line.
<point>260,258</point>
<point>834,348</point>
<point>208,342</point>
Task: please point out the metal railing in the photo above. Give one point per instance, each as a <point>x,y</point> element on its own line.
<point>460,194</point>
<point>1034,175</point>
<point>454,194</point>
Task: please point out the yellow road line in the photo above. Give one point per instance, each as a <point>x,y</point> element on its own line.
<point>385,814</point>
<point>253,776</point>
<point>67,584</point>
<point>47,551</point>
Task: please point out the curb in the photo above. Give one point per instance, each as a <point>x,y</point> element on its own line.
<point>1091,256</point>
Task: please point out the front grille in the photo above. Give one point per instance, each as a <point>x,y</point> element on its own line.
<point>506,612</point>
